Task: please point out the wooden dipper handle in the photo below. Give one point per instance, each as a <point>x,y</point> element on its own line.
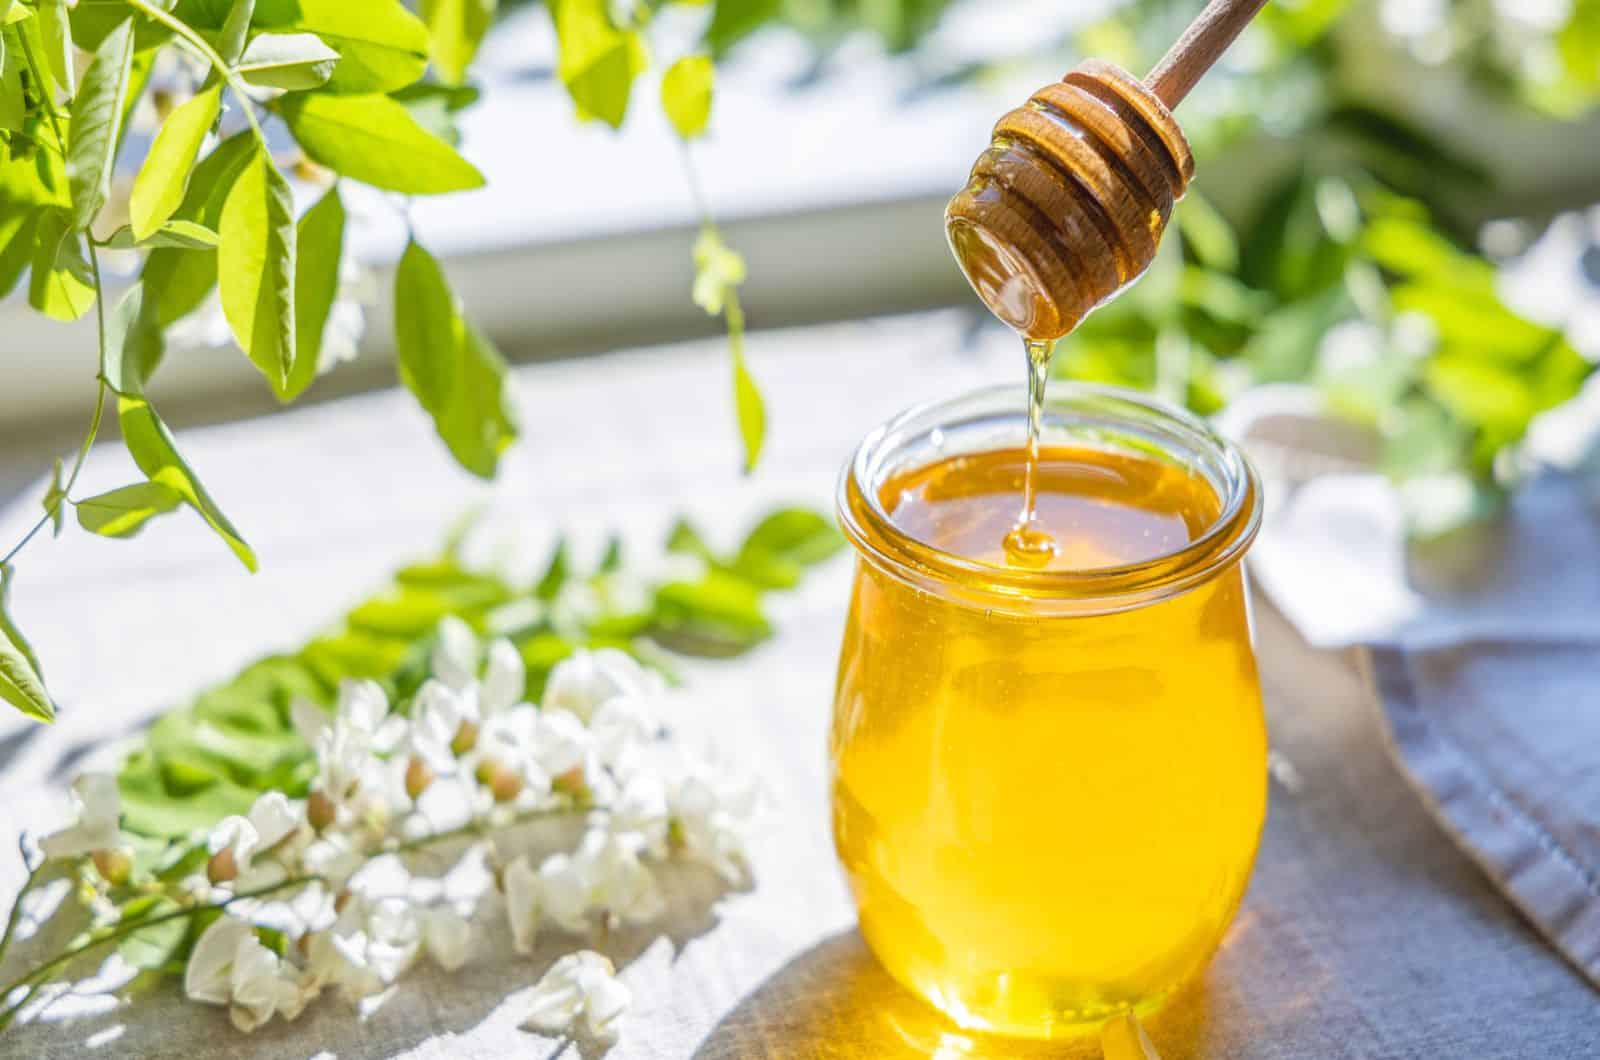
<point>1207,37</point>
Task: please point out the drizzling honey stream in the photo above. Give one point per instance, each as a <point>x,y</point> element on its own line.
<point>1065,208</point>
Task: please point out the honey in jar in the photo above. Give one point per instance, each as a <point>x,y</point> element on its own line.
<point>1048,773</point>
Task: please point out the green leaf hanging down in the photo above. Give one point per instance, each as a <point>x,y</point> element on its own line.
<point>163,180</point>
<point>256,265</point>
<point>477,425</point>
<point>455,372</point>
<point>455,29</point>
<point>316,286</point>
<point>55,34</point>
<point>598,61</point>
<point>134,344</point>
<point>375,140</point>
<point>20,682</point>
<point>748,406</point>
<point>733,20</point>
<point>427,328</point>
<point>13,99</point>
<point>718,272</point>
<point>179,280</point>
<point>153,449</point>
<point>686,94</point>
<point>293,61</point>
<point>55,499</point>
<point>61,285</point>
<point>123,512</point>
<point>382,46</point>
<point>235,30</point>
<point>96,124</point>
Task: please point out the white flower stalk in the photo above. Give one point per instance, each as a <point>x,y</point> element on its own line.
<point>230,966</point>
<point>711,814</point>
<point>580,991</point>
<point>99,809</point>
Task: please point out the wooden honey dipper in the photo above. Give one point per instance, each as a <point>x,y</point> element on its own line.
<point>1069,202</point>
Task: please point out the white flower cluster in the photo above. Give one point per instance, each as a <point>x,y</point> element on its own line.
<point>472,761</point>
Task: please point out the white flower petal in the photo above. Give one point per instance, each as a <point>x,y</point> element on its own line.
<point>309,720</point>
<point>455,655</point>
<point>586,679</point>
<point>447,936</point>
<point>208,977</point>
<point>273,818</point>
<point>522,888</point>
<point>99,808</point>
<point>504,681</point>
<point>580,986</point>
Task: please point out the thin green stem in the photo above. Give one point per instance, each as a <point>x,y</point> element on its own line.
<point>478,827</point>
<point>100,320</point>
<point>198,43</point>
<point>122,929</point>
<point>16,912</point>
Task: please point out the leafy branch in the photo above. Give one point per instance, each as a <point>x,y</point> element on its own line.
<point>211,211</point>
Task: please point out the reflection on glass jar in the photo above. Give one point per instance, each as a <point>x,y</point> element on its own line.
<point>1048,784</point>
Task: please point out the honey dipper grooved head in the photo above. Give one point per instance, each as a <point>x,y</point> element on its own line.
<point>1068,203</point>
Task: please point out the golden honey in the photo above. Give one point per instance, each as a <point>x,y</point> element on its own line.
<point>1048,781</point>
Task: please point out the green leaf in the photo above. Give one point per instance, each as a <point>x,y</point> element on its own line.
<point>20,682</point>
<point>685,539</point>
<point>55,34</point>
<point>96,124</point>
<point>381,45</point>
<point>163,180</point>
<point>134,344</point>
<point>256,265</point>
<point>184,235</point>
<point>427,328</point>
<point>455,29</point>
<point>294,61</point>
<point>153,806</point>
<point>748,405</point>
<point>13,98</point>
<point>235,29</point>
<point>316,286</point>
<point>598,61</point>
<point>686,94</point>
<point>435,107</point>
<point>376,140</point>
<point>123,512</point>
<point>55,500</point>
<point>153,449</point>
<point>1207,233</point>
<point>17,225</point>
<point>179,280</point>
<point>798,534</point>
<point>477,424</point>
<point>61,285</point>
<point>556,573</point>
<point>152,947</point>
<point>719,615</point>
<point>733,20</point>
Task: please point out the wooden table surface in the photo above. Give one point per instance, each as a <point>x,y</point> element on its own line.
<point>1366,933</point>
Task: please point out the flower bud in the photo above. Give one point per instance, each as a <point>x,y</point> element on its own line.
<point>572,782</point>
<point>114,866</point>
<point>418,778</point>
<point>341,900</point>
<point>465,739</point>
<point>504,784</point>
<point>222,868</point>
<point>320,810</point>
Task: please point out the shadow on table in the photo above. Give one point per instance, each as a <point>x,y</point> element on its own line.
<point>835,1002</point>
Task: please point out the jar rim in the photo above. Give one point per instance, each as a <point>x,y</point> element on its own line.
<point>868,525</point>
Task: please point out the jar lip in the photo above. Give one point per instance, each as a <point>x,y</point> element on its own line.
<point>875,536</point>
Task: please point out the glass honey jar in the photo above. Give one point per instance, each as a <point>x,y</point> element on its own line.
<point>1048,781</point>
